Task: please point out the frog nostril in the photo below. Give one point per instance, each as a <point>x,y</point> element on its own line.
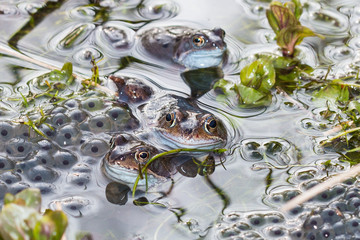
<point>188,130</point>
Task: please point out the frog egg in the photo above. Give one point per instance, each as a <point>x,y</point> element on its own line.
<point>18,148</point>
<point>274,218</point>
<point>44,158</point>
<point>68,135</point>
<point>59,119</point>
<point>10,177</point>
<point>64,159</point>
<point>24,131</point>
<point>72,104</point>
<point>99,123</point>
<point>95,148</point>
<point>74,206</point>
<point>92,104</point>
<point>57,110</point>
<point>45,188</point>
<point>78,116</point>
<point>18,187</point>
<point>353,226</point>
<point>46,145</point>
<point>276,231</point>
<point>329,215</point>
<point>83,56</point>
<point>47,130</point>
<point>42,174</point>
<point>6,164</point>
<point>3,189</point>
<point>6,131</point>
<point>296,234</point>
<point>79,178</point>
<point>82,168</point>
<point>256,220</point>
<point>122,119</point>
<point>23,166</point>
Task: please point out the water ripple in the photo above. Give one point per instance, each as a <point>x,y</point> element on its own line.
<point>114,38</point>
<point>338,53</point>
<point>158,9</point>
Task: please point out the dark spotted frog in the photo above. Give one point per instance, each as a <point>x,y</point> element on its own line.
<point>188,47</point>
<point>128,155</point>
<point>178,121</point>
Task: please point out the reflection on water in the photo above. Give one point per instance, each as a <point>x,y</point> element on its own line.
<point>271,155</point>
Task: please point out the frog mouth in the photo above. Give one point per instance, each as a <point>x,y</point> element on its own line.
<point>128,176</point>
<point>201,58</point>
<point>190,142</point>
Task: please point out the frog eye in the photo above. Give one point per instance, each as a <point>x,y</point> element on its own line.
<point>171,118</point>
<point>198,41</point>
<point>142,156</point>
<point>210,124</point>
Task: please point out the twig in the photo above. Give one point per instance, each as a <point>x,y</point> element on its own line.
<point>336,129</point>
<point>340,135</point>
<point>321,188</point>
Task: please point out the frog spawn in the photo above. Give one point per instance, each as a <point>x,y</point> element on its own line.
<point>77,135</point>
<point>337,219</point>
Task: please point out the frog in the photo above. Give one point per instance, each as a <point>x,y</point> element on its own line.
<point>189,47</point>
<point>128,155</point>
<point>179,123</point>
<point>176,122</point>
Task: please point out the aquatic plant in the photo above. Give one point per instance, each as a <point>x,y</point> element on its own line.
<point>269,70</point>
<point>21,218</point>
<point>284,20</point>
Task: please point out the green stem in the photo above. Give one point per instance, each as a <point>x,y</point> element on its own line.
<point>340,135</point>
<point>144,169</point>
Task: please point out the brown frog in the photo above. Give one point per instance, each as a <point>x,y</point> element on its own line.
<point>178,121</point>
<point>192,48</point>
<point>128,155</point>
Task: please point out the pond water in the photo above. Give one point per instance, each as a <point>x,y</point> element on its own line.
<point>273,153</point>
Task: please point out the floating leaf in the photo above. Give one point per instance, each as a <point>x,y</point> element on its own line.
<point>333,92</point>
<point>250,97</point>
<point>259,75</point>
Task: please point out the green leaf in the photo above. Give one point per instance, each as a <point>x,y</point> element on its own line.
<point>67,70</point>
<point>259,75</point>
<point>283,17</point>
<point>250,97</point>
<point>333,92</point>
<point>30,197</point>
<point>16,221</point>
<point>291,36</point>
<point>51,226</point>
<point>224,85</point>
<point>353,105</point>
<point>298,9</point>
